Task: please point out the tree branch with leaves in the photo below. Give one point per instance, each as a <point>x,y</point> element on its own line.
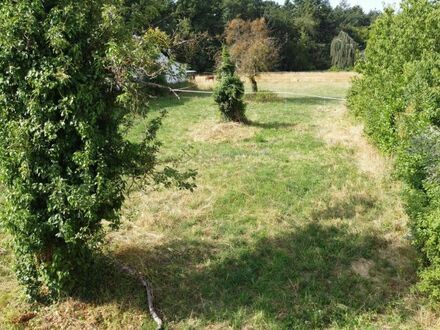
<point>252,48</point>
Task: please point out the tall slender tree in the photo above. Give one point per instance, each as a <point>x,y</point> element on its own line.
<point>230,90</point>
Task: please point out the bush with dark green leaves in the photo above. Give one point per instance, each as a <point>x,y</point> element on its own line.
<point>229,91</point>
<point>398,96</point>
<point>69,76</point>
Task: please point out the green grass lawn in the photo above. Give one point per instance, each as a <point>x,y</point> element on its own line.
<point>288,229</point>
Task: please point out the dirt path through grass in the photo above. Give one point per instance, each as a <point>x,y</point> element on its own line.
<point>338,128</point>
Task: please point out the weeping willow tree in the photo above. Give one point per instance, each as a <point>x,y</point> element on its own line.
<point>343,51</point>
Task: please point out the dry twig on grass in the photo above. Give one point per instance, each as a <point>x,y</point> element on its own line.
<point>149,289</point>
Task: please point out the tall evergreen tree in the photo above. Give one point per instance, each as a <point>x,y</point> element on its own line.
<point>229,91</point>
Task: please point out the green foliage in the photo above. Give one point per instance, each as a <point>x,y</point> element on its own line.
<point>419,165</point>
<point>302,29</point>
<point>199,24</point>
<point>398,95</point>
<point>354,21</point>
<point>226,66</point>
<point>343,51</point>
<point>68,85</point>
<point>229,92</point>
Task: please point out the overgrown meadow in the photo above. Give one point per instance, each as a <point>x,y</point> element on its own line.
<point>296,223</point>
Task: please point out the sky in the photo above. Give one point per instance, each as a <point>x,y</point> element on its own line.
<point>366,4</point>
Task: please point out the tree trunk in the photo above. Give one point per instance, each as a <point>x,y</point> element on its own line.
<point>254,84</point>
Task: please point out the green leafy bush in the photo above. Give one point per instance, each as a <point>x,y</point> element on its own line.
<point>398,95</point>
<point>229,92</point>
<point>69,80</point>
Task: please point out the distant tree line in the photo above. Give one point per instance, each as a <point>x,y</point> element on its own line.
<point>302,29</point>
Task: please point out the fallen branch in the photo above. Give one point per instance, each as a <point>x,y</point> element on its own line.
<point>25,318</point>
<point>159,86</point>
<point>146,284</point>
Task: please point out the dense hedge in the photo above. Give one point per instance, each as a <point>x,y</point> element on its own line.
<point>398,95</point>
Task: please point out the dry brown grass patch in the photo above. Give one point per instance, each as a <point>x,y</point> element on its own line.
<point>149,218</point>
<point>296,81</point>
<point>290,77</point>
<point>336,129</point>
<point>74,315</point>
<point>211,131</point>
<point>204,82</point>
<point>362,267</point>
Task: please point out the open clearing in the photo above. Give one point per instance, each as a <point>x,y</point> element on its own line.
<point>296,224</point>
<point>331,84</point>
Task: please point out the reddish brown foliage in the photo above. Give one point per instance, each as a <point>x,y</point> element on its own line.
<point>251,47</point>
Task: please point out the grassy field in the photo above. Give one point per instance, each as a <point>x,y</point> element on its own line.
<point>333,84</point>
<point>296,224</point>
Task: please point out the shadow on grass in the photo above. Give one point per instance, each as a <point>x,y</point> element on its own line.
<point>313,277</point>
<point>272,125</point>
<point>345,209</point>
<point>307,101</point>
<point>169,101</point>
